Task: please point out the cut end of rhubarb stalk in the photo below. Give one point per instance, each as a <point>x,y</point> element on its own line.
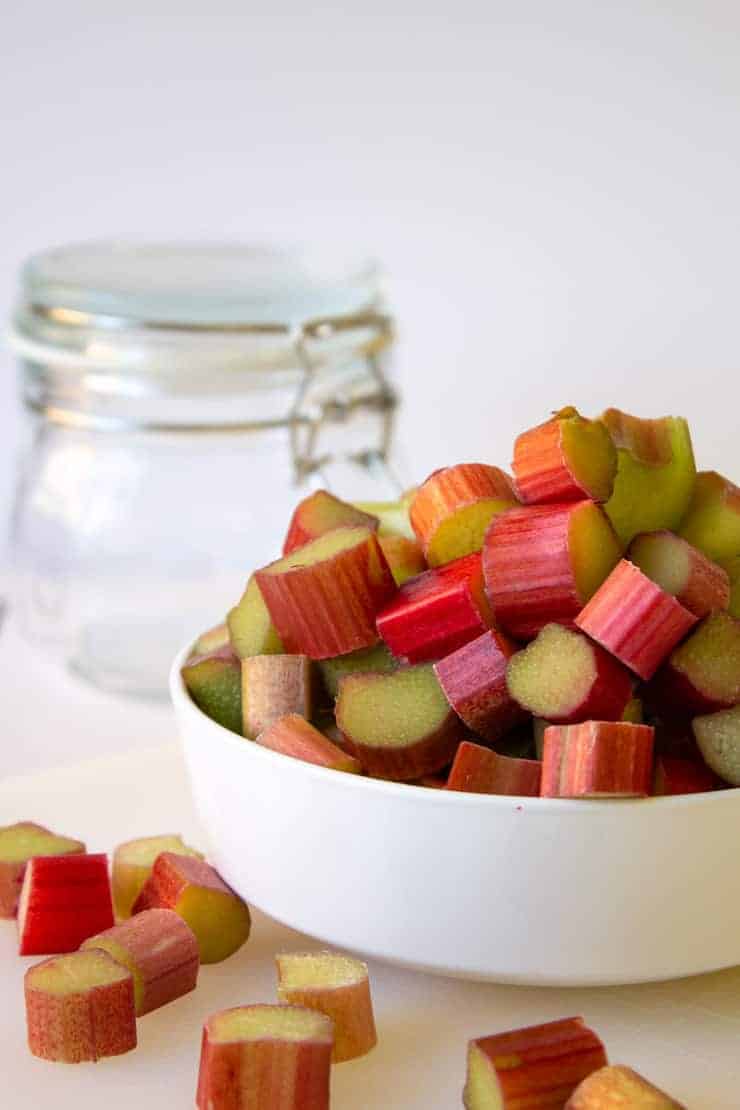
<point>63,901</point>
<point>619,1088</point>
<point>294,736</point>
<point>718,737</point>
<point>267,1023</point>
<point>251,630</point>
<point>566,459</point>
<point>18,844</point>
<point>478,770</point>
<point>392,515</point>
<point>80,1007</point>
<point>336,986</point>
<point>132,865</point>
<point>682,571</point>
<point>322,512</point>
<point>214,683</point>
<point>272,686</point>
<point>703,673</point>
<point>564,677</point>
<point>374,660</point>
<point>712,522</point>
<point>399,725</point>
<point>404,557</point>
<point>452,509</point>
<point>597,759</point>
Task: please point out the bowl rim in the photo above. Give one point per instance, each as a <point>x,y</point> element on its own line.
<point>184,705</point>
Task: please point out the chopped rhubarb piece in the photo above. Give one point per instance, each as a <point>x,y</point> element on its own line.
<point>374,660</point>
<point>703,673</point>
<point>80,1007</point>
<point>132,866</point>
<point>478,770</point>
<point>392,515</point>
<point>404,557</point>
<point>564,677</point>
<point>251,630</point>
<point>322,512</point>
<point>681,776</point>
<point>159,950</point>
<point>597,759</point>
<point>195,890</point>
<point>732,566</point>
<point>64,900</point>
<point>336,986</point>
<point>294,736</point>
<point>399,725</point>
<point>452,509</point>
<point>324,597</point>
<point>214,683</point>
<point>712,522</point>
<point>718,737</point>
<point>265,1058</point>
<point>568,458</point>
<point>272,686</point>
<point>437,612</point>
<point>619,1088</point>
<point>20,843</point>
<point>537,1067</point>
<point>211,640</point>
<point>543,562</point>
<point>655,473</point>
<point>634,619</point>
<point>474,681</point>
<point>682,571</point>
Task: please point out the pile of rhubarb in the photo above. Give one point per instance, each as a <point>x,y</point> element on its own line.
<point>569,631</point>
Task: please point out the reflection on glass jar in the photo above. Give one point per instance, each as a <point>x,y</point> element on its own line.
<point>181,399</point>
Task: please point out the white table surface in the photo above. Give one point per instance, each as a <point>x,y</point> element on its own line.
<point>684,1035</point>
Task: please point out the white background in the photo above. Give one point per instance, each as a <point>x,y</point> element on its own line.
<point>555,187</point>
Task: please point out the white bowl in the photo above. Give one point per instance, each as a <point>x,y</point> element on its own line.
<point>516,890</point>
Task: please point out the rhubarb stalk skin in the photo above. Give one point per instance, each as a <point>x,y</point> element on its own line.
<point>474,682</point>
<point>597,759</point>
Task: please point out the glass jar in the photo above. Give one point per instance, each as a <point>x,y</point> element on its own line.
<point>181,399</point>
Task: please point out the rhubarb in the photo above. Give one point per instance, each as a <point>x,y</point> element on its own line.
<point>273,686</point>
<point>63,901</point>
<point>681,776</point>
<point>437,612</point>
<point>322,512</point>
<point>336,986</point>
<point>543,562</point>
<point>597,759</point>
<point>454,506</point>
<point>478,770</point>
<point>132,866</point>
<point>374,660</point>
<point>214,683</point>
<point>564,677</point>
<point>324,597</point>
<point>702,675</point>
<point>682,571</point>
<point>619,1088</point>
<point>393,516</point>
<point>732,566</point>
<point>712,522</point>
<point>474,682</point>
<point>251,630</point>
<point>265,1058</point>
<point>718,737</point>
<point>404,557</point>
<point>398,725</point>
<point>159,950</point>
<point>212,640</point>
<point>568,458</point>
<point>294,736</point>
<point>80,1007</point>
<point>20,843</point>
<point>634,619</point>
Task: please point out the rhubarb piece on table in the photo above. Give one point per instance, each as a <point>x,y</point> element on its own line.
<point>399,725</point>
<point>478,770</point>
<point>619,1088</point>
<point>712,522</point>
<point>80,1007</point>
<point>597,759</point>
<point>635,620</point>
<point>132,866</point>
<point>272,686</point>
<point>539,1066</point>
<point>374,660</point>
<point>452,509</point>
<point>250,626</point>
<point>159,950</point>
<point>542,563</point>
<point>655,473</point>
<point>568,458</point>
<point>682,571</point>
<point>404,557</point>
<point>18,844</point>
<point>294,736</point>
<point>681,776</point>
<point>564,677</point>
<point>195,890</point>
<point>324,597</point>
<point>393,516</point>
<point>703,673</point>
<point>64,900</point>
<point>732,566</point>
<point>265,1058</point>
<point>322,512</point>
<point>214,683</point>
<point>334,985</point>
<point>437,612</point>
<point>718,737</point>
<point>212,640</point>
<point>474,682</point>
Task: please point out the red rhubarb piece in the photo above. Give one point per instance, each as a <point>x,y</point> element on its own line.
<point>682,571</point>
<point>294,736</point>
<point>541,563</point>
<point>702,675</point>
<point>337,986</point>
<point>322,512</point>
<point>537,1067</point>
<point>478,770</point>
<point>681,776</point>
<point>568,458</point>
<point>619,1088</point>
<point>451,510</point>
<point>64,900</point>
<point>436,612</point>
<point>474,681</point>
<point>635,620</point>
<point>18,844</point>
<point>597,759</point>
